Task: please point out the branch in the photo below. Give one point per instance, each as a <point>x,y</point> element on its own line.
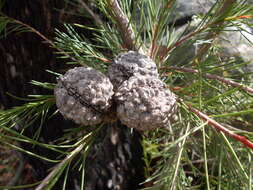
<point>124,26</point>
<point>221,128</point>
<point>51,43</point>
<point>215,77</point>
<point>32,30</point>
<point>94,16</point>
<point>154,48</point>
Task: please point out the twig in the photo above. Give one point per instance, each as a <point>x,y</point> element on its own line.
<point>154,48</point>
<point>41,36</point>
<point>215,77</point>
<point>33,30</point>
<point>221,128</point>
<point>124,25</point>
<point>181,41</point>
<point>94,15</point>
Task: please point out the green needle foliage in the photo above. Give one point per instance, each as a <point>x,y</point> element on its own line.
<point>190,153</point>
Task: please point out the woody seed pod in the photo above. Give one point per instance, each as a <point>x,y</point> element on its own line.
<point>145,103</point>
<point>128,64</point>
<point>83,95</point>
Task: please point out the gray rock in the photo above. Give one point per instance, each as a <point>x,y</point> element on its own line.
<point>233,42</point>
<point>237,43</point>
<point>185,8</point>
<point>192,7</point>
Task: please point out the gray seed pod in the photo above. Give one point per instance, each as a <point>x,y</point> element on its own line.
<point>145,103</point>
<point>128,64</point>
<point>83,95</point>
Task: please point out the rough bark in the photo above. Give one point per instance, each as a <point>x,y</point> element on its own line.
<point>115,160</point>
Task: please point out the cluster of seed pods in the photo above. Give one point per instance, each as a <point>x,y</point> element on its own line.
<point>132,85</point>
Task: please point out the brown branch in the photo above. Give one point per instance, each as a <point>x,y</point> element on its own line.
<point>51,43</point>
<point>154,48</point>
<point>32,30</point>
<point>215,77</point>
<point>181,41</point>
<point>94,15</point>
<point>48,41</point>
<point>123,24</point>
<point>221,128</point>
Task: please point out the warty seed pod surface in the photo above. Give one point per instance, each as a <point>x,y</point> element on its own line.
<point>145,103</point>
<point>83,95</point>
<point>128,64</point>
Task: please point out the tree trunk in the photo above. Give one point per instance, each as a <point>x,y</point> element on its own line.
<point>25,57</point>
<point>115,161</point>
